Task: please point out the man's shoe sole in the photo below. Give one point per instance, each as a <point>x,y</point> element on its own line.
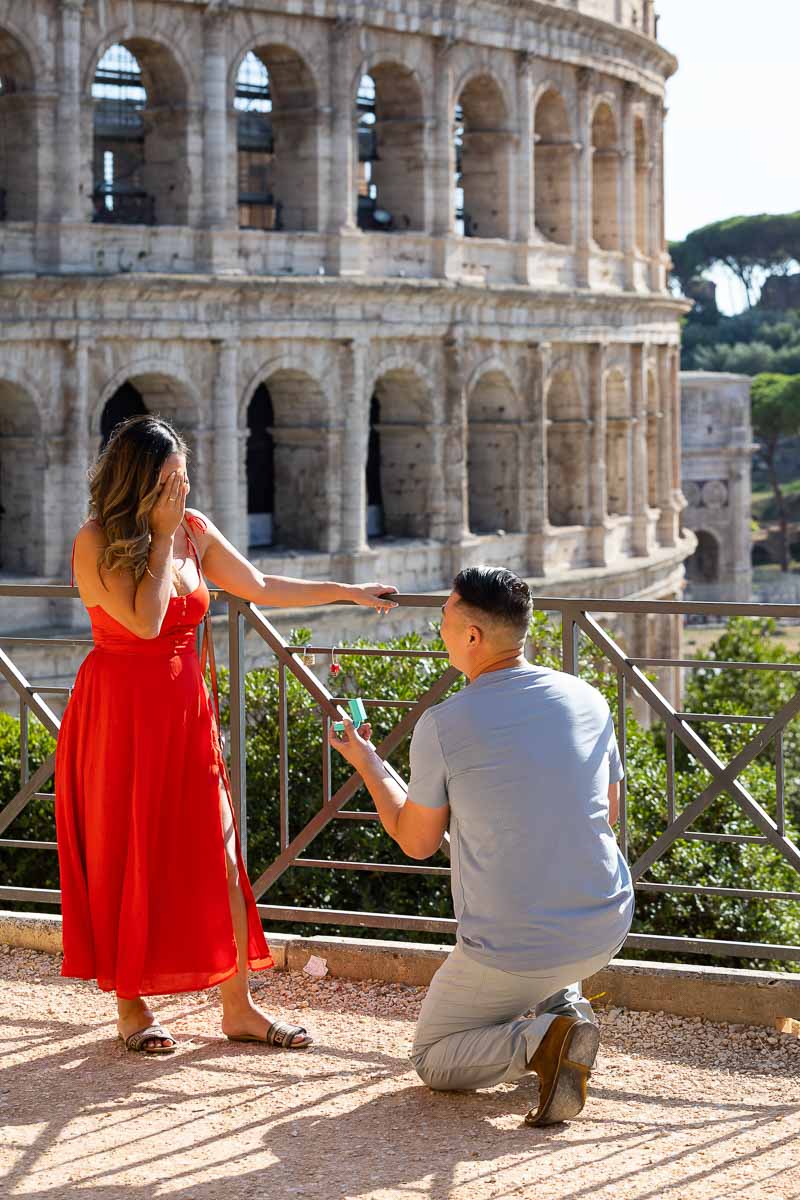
<point>568,1094</point>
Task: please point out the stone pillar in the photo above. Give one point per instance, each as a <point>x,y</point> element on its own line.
<point>640,542</point>
<point>655,207</point>
<point>44,116</point>
<point>201,444</point>
<point>598,489</point>
<point>77,451</point>
<point>455,458</point>
<point>442,167</point>
<point>442,164</point>
<point>525,166</point>
<point>355,435</point>
<point>227,512</point>
<point>344,255</point>
<point>675,412</point>
<point>628,222</point>
<point>533,459</point>
<point>739,501</point>
<point>667,521</point>
<point>583,216</point>
<point>215,121</point>
<point>436,494</point>
<point>70,206</point>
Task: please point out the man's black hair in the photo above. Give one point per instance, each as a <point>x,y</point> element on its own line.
<point>500,594</point>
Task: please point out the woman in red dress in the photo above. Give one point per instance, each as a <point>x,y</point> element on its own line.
<point>155,898</point>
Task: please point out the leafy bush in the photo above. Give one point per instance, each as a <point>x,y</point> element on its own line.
<point>688,861</point>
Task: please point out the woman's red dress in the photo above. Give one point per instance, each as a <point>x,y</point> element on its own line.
<point>144,891</point>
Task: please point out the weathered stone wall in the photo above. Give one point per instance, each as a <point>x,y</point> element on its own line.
<point>525,376</point>
<point>718,444</point>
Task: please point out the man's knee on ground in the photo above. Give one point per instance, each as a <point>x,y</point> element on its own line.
<point>436,1078</point>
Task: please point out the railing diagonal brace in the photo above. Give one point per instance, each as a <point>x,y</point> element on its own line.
<point>724,776</point>
<point>351,786</point>
<point>19,683</point>
<point>34,784</point>
<point>323,697</point>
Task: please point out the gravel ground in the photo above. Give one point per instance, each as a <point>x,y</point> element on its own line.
<point>678,1108</point>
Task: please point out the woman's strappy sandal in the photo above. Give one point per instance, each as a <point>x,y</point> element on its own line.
<point>137,1042</point>
<point>280,1034</point>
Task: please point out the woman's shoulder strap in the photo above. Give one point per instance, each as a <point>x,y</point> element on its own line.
<point>195,522</point>
<point>194,525</point>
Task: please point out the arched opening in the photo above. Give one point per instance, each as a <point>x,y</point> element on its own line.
<point>17,133</point>
<point>482,161</point>
<point>605,179</point>
<point>303,513</point>
<point>400,458</point>
<point>22,468</point>
<point>276,137</point>
<point>375,525</point>
<point>653,418</point>
<point>140,167</point>
<point>618,445</point>
<point>260,468</point>
<point>390,150</point>
<point>554,156</point>
<point>567,451</point>
<point>492,456</point>
<point>642,176</point>
<point>703,565</point>
<point>126,402</point>
<point>163,396</point>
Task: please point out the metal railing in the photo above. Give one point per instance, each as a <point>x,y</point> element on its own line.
<point>578,618</point>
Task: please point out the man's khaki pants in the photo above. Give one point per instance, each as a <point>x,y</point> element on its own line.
<point>471,1032</point>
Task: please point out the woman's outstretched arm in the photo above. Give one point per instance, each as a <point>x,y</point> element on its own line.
<point>230,570</point>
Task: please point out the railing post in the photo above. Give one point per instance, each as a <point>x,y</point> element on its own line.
<point>238,757</point>
<point>569,642</point>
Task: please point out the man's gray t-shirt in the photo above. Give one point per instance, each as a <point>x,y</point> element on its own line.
<point>524,756</point>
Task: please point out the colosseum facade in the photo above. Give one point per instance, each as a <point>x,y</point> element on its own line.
<point>397,271</point>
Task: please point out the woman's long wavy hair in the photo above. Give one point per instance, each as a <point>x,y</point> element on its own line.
<point>123,487</point>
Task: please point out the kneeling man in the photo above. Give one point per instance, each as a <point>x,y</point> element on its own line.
<point>523,767</point>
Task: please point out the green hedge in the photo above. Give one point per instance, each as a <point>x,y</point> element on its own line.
<point>690,862</point>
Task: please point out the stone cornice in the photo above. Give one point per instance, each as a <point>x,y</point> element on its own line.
<point>244,289</point>
<point>541,28</point>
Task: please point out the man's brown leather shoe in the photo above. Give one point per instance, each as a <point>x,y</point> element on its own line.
<point>563,1062</point>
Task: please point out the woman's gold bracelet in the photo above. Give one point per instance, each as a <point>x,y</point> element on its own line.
<point>152,576</point>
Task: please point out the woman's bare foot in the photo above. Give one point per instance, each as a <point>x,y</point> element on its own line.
<point>241,1017</point>
<point>133,1015</point>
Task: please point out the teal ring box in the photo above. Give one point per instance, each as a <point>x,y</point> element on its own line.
<point>358,715</point>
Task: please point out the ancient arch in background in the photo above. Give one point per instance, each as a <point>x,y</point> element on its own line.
<point>277,138</point>
<point>554,165</point>
<point>567,450</point>
<point>18,165</point>
<point>483,151</point>
<point>391,149</point>
<point>493,416</point>
<point>605,178</point>
<point>400,460</point>
<point>22,467</point>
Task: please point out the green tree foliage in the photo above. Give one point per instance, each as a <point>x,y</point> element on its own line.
<point>692,862</point>
<point>750,246</point>
<point>760,339</point>
<point>749,343</point>
<point>776,415</point>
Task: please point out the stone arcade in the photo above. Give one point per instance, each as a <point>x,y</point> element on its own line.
<point>399,278</point>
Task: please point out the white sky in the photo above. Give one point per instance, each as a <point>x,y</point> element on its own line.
<point>732,134</point>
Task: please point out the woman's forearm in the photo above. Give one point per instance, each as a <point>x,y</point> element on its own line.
<point>155,587</point>
<point>280,591</point>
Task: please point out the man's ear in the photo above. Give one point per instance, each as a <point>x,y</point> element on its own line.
<point>474,635</point>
